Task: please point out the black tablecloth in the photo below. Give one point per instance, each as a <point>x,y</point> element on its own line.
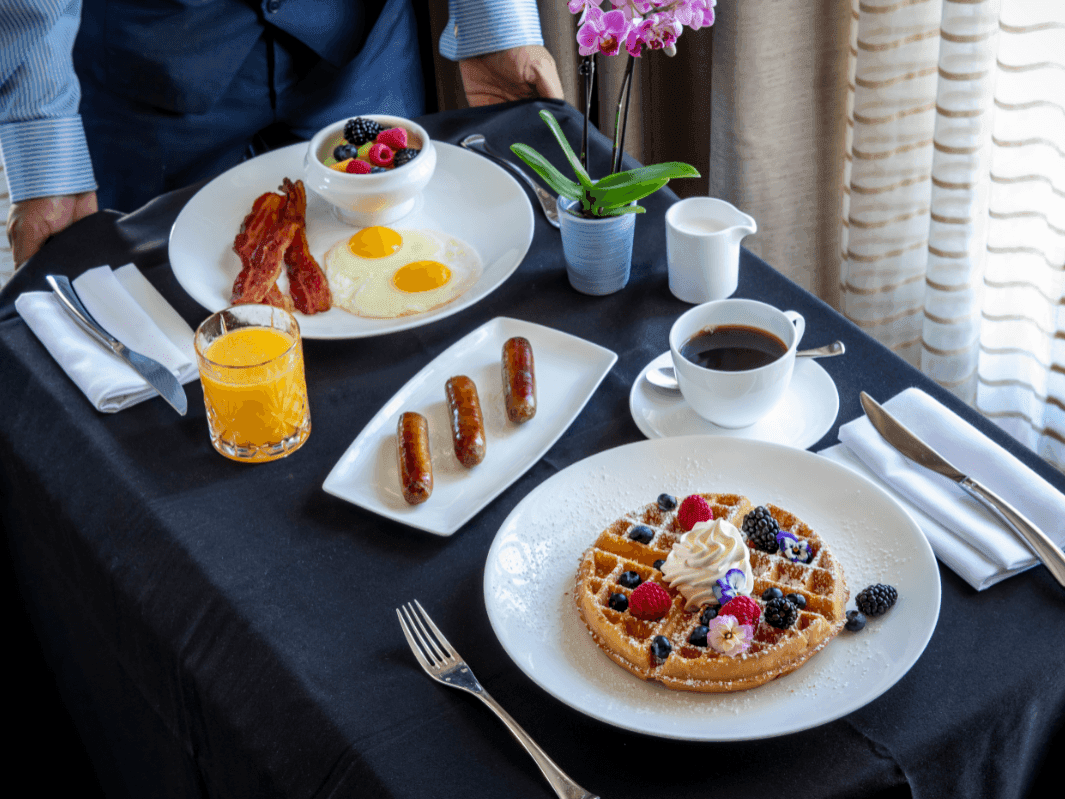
<point>227,630</point>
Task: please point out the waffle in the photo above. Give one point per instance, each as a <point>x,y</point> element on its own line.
<point>772,653</point>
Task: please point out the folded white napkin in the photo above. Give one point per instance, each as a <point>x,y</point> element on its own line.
<point>969,538</point>
<point>130,309</point>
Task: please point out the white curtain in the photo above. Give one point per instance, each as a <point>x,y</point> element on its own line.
<point>953,230</point>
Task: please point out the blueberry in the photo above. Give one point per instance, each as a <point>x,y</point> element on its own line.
<point>772,593</point>
<point>667,501</point>
<point>661,647</point>
<point>709,614</point>
<point>344,151</point>
<point>798,600</point>
<point>377,169</point>
<point>630,579</point>
<point>659,563</point>
<point>855,620</point>
<point>698,636</point>
<point>619,602</point>
<point>641,533</point>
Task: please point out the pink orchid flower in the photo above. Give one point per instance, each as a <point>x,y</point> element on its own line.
<point>583,7</point>
<point>657,31</point>
<point>603,33</point>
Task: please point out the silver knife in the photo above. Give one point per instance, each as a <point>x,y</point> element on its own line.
<point>902,439</point>
<point>151,370</point>
<point>478,144</point>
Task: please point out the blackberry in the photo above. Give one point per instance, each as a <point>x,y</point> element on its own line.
<point>761,529</point>
<point>619,602</point>
<point>698,636</point>
<point>630,579</point>
<point>798,600</point>
<point>359,130</point>
<point>876,599</point>
<point>708,615</point>
<point>667,502</point>
<point>661,647</point>
<point>404,156</point>
<point>772,593</point>
<point>781,613</point>
<point>641,533</point>
<point>855,621</point>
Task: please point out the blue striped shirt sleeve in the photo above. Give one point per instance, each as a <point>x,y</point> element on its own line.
<point>476,27</point>
<point>42,141</point>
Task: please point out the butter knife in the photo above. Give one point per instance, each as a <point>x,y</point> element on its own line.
<point>548,202</point>
<point>151,370</point>
<point>902,439</point>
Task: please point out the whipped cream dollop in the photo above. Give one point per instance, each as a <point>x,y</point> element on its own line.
<point>704,555</point>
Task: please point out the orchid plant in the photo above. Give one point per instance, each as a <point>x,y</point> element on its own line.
<point>631,25</point>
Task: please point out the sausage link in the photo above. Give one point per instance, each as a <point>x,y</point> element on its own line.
<point>519,379</point>
<point>415,460</point>
<point>467,423</point>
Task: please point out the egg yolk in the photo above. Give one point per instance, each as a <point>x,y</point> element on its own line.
<point>421,276</point>
<point>375,242</point>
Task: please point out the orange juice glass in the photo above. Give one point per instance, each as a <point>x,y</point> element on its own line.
<point>254,387</point>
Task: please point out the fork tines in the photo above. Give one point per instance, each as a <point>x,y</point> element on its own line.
<point>416,626</point>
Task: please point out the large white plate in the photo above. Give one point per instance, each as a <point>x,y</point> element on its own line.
<point>804,414</point>
<point>532,563</point>
<point>468,197</point>
<point>568,370</point>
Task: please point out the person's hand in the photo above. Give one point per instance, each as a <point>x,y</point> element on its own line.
<point>31,222</point>
<point>516,74</point>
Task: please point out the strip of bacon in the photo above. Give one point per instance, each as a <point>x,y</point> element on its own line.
<point>306,281</point>
<point>277,299</point>
<point>264,215</point>
<point>265,266</point>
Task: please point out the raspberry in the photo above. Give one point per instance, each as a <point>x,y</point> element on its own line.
<point>357,167</point>
<point>694,509</point>
<point>380,154</point>
<point>744,608</point>
<point>396,138</point>
<point>649,601</point>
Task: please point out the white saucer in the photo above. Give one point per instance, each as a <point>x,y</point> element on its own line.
<point>806,412</point>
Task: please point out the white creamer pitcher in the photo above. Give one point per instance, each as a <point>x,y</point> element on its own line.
<point>703,238</point>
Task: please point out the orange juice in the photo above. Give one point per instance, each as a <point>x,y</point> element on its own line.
<point>255,392</point>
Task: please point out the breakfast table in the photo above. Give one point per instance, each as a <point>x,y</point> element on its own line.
<point>225,629</point>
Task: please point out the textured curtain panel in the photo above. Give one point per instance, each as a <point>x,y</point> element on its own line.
<point>953,239</point>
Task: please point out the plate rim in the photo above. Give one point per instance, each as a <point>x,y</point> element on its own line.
<point>606,361</point>
<point>838,711</point>
<point>636,389</point>
<point>449,151</point>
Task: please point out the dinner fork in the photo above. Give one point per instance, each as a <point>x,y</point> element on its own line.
<point>440,661</point>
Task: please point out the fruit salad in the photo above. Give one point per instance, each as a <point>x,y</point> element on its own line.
<point>368,147</point>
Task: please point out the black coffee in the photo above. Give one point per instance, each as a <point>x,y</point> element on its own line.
<point>733,348</point>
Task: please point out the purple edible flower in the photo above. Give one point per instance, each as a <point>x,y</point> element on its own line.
<point>793,549</point>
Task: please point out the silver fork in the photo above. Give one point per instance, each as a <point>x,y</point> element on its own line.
<point>441,662</point>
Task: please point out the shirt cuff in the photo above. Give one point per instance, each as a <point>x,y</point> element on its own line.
<point>488,26</point>
<point>46,158</point>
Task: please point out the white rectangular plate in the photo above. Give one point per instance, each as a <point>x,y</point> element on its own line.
<point>568,370</point>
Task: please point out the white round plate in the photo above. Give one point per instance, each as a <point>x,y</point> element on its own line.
<point>468,197</point>
<point>532,563</point>
<point>805,413</point>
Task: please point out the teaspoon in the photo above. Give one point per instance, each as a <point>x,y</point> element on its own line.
<point>664,378</point>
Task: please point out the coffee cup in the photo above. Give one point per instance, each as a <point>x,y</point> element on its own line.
<point>734,358</point>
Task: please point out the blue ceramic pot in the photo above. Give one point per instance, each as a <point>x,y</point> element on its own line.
<point>598,251</point>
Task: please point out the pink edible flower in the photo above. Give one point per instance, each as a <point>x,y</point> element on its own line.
<point>728,637</point>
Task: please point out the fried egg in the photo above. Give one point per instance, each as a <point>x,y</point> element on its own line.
<point>383,273</point>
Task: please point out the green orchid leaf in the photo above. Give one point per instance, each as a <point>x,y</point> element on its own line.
<point>571,156</point>
<point>628,209</point>
<point>643,174</point>
<point>545,169</point>
<point>618,196</point>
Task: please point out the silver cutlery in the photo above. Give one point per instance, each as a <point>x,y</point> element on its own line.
<point>665,378</point>
<point>151,370</point>
<point>904,440</point>
<point>441,662</point>
<point>477,143</point>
